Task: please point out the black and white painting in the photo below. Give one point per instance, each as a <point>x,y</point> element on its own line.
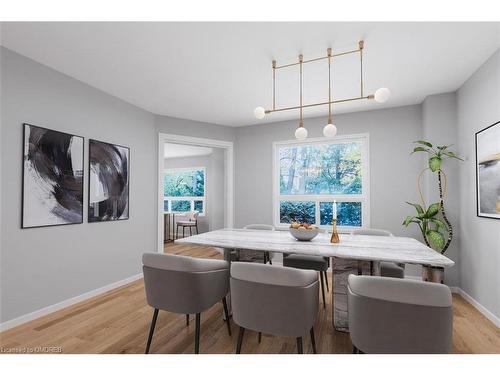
<point>488,171</point>
<point>108,181</point>
<point>52,178</point>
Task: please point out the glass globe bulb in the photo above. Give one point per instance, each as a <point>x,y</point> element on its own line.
<point>301,133</point>
<point>382,95</point>
<point>330,130</point>
<point>259,112</point>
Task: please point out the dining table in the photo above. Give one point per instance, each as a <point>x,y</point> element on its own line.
<point>361,254</point>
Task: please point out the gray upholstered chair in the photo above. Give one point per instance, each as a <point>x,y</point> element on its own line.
<point>310,262</point>
<point>276,300</point>
<point>267,255</point>
<point>388,315</point>
<point>184,285</point>
<point>191,222</point>
<point>387,269</point>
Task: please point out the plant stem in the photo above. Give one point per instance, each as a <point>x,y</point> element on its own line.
<point>448,224</point>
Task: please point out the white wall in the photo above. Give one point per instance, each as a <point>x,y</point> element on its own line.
<point>215,195</point>
<point>478,102</point>
<point>44,266</point>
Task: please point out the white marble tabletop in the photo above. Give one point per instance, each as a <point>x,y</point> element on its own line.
<point>377,248</point>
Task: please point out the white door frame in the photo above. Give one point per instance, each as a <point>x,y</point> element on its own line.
<point>229,173</point>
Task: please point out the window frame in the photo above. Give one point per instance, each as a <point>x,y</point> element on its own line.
<point>364,197</point>
<point>187,198</point>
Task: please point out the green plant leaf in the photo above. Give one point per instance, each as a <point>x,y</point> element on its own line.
<point>451,154</point>
<point>417,149</point>
<point>432,210</point>
<point>425,143</point>
<point>440,225</point>
<point>435,238</point>
<point>442,147</point>
<point>435,163</point>
<point>408,220</point>
<point>418,207</point>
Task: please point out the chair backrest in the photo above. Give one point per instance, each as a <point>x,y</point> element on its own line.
<point>372,232</point>
<point>183,284</point>
<point>193,215</point>
<point>259,227</point>
<point>389,315</point>
<point>277,300</point>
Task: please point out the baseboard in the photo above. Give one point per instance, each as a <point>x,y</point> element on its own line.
<point>483,310</point>
<point>66,303</point>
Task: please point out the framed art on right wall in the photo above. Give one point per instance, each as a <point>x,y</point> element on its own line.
<point>488,171</point>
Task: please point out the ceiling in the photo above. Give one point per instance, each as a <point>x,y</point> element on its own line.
<point>219,72</point>
<point>174,150</point>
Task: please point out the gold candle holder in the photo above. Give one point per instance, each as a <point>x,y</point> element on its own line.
<point>335,235</point>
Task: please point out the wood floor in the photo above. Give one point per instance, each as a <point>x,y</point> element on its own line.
<point>118,322</point>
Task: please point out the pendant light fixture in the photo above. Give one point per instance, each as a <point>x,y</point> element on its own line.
<point>330,130</point>
<point>301,132</point>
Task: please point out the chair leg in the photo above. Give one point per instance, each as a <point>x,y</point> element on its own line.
<point>197,334</point>
<point>190,230</point>
<point>260,337</point>
<point>187,319</point>
<point>240,340</point>
<point>322,289</point>
<point>326,281</point>
<point>183,235</point>
<point>226,314</point>
<point>299,345</point>
<point>197,227</point>
<point>265,257</point>
<point>269,258</point>
<point>151,330</point>
<point>313,341</point>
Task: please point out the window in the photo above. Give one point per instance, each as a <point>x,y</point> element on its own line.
<point>310,175</point>
<point>184,190</point>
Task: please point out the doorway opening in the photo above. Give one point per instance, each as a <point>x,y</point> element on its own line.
<point>195,186</point>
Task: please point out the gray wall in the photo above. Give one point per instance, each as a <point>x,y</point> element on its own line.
<point>215,200</point>
<point>44,266</point>
<point>439,126</point>
<point>478,107</point>
<point>178,126</point>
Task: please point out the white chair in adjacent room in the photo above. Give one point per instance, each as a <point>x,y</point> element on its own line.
<point>191,222</point>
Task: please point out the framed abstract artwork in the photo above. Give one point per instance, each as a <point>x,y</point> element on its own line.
<point>52,178</point>
<point>109,175</point>
<point>488,171</point>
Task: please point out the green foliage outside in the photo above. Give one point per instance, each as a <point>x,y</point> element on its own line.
<point>187,183</point>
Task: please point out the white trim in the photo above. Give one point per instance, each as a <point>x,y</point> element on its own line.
<point>66,303</point>
<point>229,172</point>
<point>364,198</point>
<point>483,310</point>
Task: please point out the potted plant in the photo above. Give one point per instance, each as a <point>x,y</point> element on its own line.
<point>435,227</point>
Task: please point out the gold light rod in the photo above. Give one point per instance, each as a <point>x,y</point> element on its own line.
<point>318,104</point>
<point>317,59</point>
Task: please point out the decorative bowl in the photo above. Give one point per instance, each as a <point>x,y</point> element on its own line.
<point>303,234</point>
